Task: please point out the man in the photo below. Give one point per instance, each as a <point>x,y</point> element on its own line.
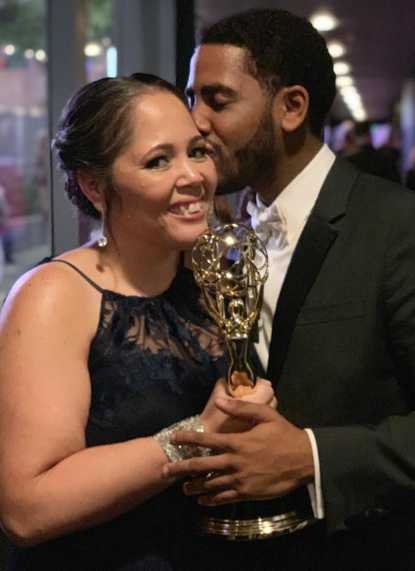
<point>381,162</point>
<point>337,336</point>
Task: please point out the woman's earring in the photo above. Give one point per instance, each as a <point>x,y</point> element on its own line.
<point>102,241</point>
<point>211,218</point>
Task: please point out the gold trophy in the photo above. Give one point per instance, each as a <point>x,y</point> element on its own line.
<point>230,265</point>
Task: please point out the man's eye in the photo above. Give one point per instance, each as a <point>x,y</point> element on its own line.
<point>157,162</point>
<point>218,102</point>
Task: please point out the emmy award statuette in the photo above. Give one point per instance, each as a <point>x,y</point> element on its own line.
<point>230,264</point>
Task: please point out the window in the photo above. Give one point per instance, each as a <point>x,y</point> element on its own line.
<point>24,145</point>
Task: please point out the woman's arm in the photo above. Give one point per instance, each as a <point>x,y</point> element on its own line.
<point>50,483</point>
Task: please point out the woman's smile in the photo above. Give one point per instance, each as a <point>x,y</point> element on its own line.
<point>193,210</point>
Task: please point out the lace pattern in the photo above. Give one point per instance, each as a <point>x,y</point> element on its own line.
<point>153,360</point>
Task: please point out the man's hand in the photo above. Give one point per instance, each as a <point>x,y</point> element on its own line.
<point>269,460</point>
<point>215,420</point>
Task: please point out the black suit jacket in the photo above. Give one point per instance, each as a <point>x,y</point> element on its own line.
<point>342,353</point>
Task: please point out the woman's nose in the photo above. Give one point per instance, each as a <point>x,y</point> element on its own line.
<point>189,175</point>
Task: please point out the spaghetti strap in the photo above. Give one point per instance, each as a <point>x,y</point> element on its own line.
<point>81,273</point>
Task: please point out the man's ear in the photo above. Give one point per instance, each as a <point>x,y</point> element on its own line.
<point>91,188</point>
<point>292,105</point>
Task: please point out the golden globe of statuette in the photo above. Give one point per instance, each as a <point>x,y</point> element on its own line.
<point>230,265</point>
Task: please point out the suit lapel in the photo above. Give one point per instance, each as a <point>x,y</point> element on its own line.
<point>315,242</point>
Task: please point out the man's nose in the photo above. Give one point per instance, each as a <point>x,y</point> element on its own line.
<point>201,118</point>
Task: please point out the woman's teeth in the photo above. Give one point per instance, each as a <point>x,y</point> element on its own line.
<point>188,209</point>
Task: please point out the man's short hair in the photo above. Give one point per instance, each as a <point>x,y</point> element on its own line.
<point>285,50</point>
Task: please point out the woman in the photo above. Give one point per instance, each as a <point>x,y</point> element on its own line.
<point>107,345</point>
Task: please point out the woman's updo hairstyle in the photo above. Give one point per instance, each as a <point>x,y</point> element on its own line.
<point>95,127</point>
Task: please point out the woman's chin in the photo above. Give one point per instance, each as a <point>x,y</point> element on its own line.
<point>186,237</point>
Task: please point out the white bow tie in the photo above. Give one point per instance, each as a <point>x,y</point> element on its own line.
<point>269,224</point>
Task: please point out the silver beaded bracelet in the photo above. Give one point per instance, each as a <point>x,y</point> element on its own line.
<point>177,452</point>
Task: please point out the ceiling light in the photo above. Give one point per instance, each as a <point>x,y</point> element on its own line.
<point>92,49</point>
<point>336,49</point>
<point>353,102</point>
<point>40,55</point>
<point>29,54</point>
<point>344,81</point>
<point>324,21</point>
<point>351,96</point>
<point>341,68</point>
<point>9,50</point>
<point>359,114</point>
<point>348,90</point>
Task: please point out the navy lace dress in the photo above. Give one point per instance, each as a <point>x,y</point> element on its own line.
<point>153,361</point>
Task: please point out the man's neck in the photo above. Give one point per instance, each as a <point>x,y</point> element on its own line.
<point>292,160</point>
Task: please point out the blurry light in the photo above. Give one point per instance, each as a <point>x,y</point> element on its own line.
<point>336,49</point>
<point>40,55</point>
<point>359,114</point>
<point>29,54</point>
<point>36,112</point>
<point>92,49</point>
<point>349,90</point>
<point>353,102</point>
<point>19,111</point>
<point>9,50</point>
<point>344,81</point>
<point>112,62</point>
<point>324,21</point>
<point>351,97</point>
<point>341,68</point>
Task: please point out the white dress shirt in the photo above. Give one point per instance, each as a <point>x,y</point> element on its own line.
<point>280,225</point>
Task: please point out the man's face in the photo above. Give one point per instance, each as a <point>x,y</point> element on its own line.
<point>233,112</point>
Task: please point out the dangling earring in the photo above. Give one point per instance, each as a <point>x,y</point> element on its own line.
<point>211,218</point>
<point>102,241</point>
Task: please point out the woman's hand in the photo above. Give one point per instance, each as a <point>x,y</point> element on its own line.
<point>214,420</point>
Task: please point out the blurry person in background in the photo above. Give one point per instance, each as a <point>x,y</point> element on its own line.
<point>41,169</point>
<point>344,141</point>
<point>410,173</point>
<point>379,162</point>
<point>5,248</point>
<point>4,215</point>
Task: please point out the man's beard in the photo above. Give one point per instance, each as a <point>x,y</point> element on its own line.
<point>254,164</point>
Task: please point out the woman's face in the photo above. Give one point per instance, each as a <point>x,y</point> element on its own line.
<point>165,179</point>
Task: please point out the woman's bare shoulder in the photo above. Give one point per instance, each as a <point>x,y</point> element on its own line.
<point>51,290</point>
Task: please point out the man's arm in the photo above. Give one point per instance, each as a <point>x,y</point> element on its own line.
<point>366,469</point>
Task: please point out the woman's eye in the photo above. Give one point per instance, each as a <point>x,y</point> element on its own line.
<point>200,152</point>
<point>157,163</point>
